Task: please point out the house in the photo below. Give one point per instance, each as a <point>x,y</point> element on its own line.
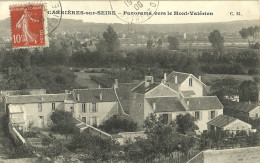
<point>150,97</point>
<point>27,111</point>
<point>224,122</point>
<point>188,84</point>
<point>243,110</point>
<point>95,105</point>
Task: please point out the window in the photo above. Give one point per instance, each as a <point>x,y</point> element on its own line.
<point>71,107</point>
<point>84,119</point>
<point>53,106</point>
<point>84,108</point>
<point>190,81</point>
<point>197,114</point>
<point>39,107</point>
<point>94,107</point>
<point>212,114</point>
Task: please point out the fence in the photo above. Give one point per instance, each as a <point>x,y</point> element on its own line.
<point>16,135</point>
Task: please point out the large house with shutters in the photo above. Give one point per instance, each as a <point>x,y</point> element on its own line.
<point>94,106</point>
<point>28,111</point>
<point>183,94</point>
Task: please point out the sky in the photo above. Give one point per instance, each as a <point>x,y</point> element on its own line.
<point>221,10</point>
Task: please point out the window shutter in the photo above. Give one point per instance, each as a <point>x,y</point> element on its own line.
<point>88,120</point>
<point>90,107</point>
<point>216,113</point>
<point>97,119</point>
<point>200,115</point>
<point>87,107</point>
<point>91,120</point>
<point>96,107</point>
<point>209,115</point>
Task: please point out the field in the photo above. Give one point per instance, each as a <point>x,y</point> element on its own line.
<point>84,80</point>
<point>211,77</point>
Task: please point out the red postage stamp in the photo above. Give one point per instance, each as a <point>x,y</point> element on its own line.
<point>28,24</point>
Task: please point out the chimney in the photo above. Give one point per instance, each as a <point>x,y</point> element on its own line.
<point>78,97</point>
<point>154,106</point>
<point>176,79</point>
<point>199,78</point>
<point>249,102</point>
<point>188,102</point>
<point>116,83</point>
<point>99,86</point>
<point>165,77</point>
<point>148,80</point>
<point>100,96</point>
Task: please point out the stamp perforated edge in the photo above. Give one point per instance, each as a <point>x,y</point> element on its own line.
<point>45,23</point>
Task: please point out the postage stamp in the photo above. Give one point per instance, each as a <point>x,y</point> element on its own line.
<point>28,25</point>
<point>134,11</point>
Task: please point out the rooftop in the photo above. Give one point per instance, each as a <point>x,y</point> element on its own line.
<point>222,121</point>
<point>204,103</point>
<point>181,77</point>
<point>93,95</point>
<point>142,89</point>
<point>242,106</point>
<point>166,104</point>
<point>124,93</point>
<point>44,98</point>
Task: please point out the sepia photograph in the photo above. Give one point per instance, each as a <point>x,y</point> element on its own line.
<point>124,81</point>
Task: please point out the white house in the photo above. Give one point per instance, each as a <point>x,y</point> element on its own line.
<point>27,111</point>
<point>150,97</point>
<point>188,84</point>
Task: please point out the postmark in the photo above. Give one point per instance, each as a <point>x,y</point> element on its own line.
<point>28,25</point>
<point>54,16</point>
<point>134,11</point>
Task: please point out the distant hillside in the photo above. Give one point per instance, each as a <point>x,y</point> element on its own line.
<point>71,25</point>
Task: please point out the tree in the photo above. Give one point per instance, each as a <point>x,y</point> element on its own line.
<point>225,87</point>
<point>250,34</point>
<point>111,40</point>
<point>186,124</point>
<point>248,91</point>
<point>117,124</point>
<point>173,43</point>
<point>63,122</point>
<point>217,42</point>
<point>159,42</point>
<point>149,44</point>
<point>95,147</point>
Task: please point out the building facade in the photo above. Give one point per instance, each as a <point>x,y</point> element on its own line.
<point>182,95</point>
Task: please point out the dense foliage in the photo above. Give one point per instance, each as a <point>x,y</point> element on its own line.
<point>64,122</point>
<point>94,147</point>
<point>54,80</point>
<point>117,124</point>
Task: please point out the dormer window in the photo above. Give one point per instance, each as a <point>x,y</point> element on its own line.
<point>190,82</point>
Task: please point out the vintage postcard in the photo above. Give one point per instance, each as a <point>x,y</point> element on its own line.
<point>146,81</point>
